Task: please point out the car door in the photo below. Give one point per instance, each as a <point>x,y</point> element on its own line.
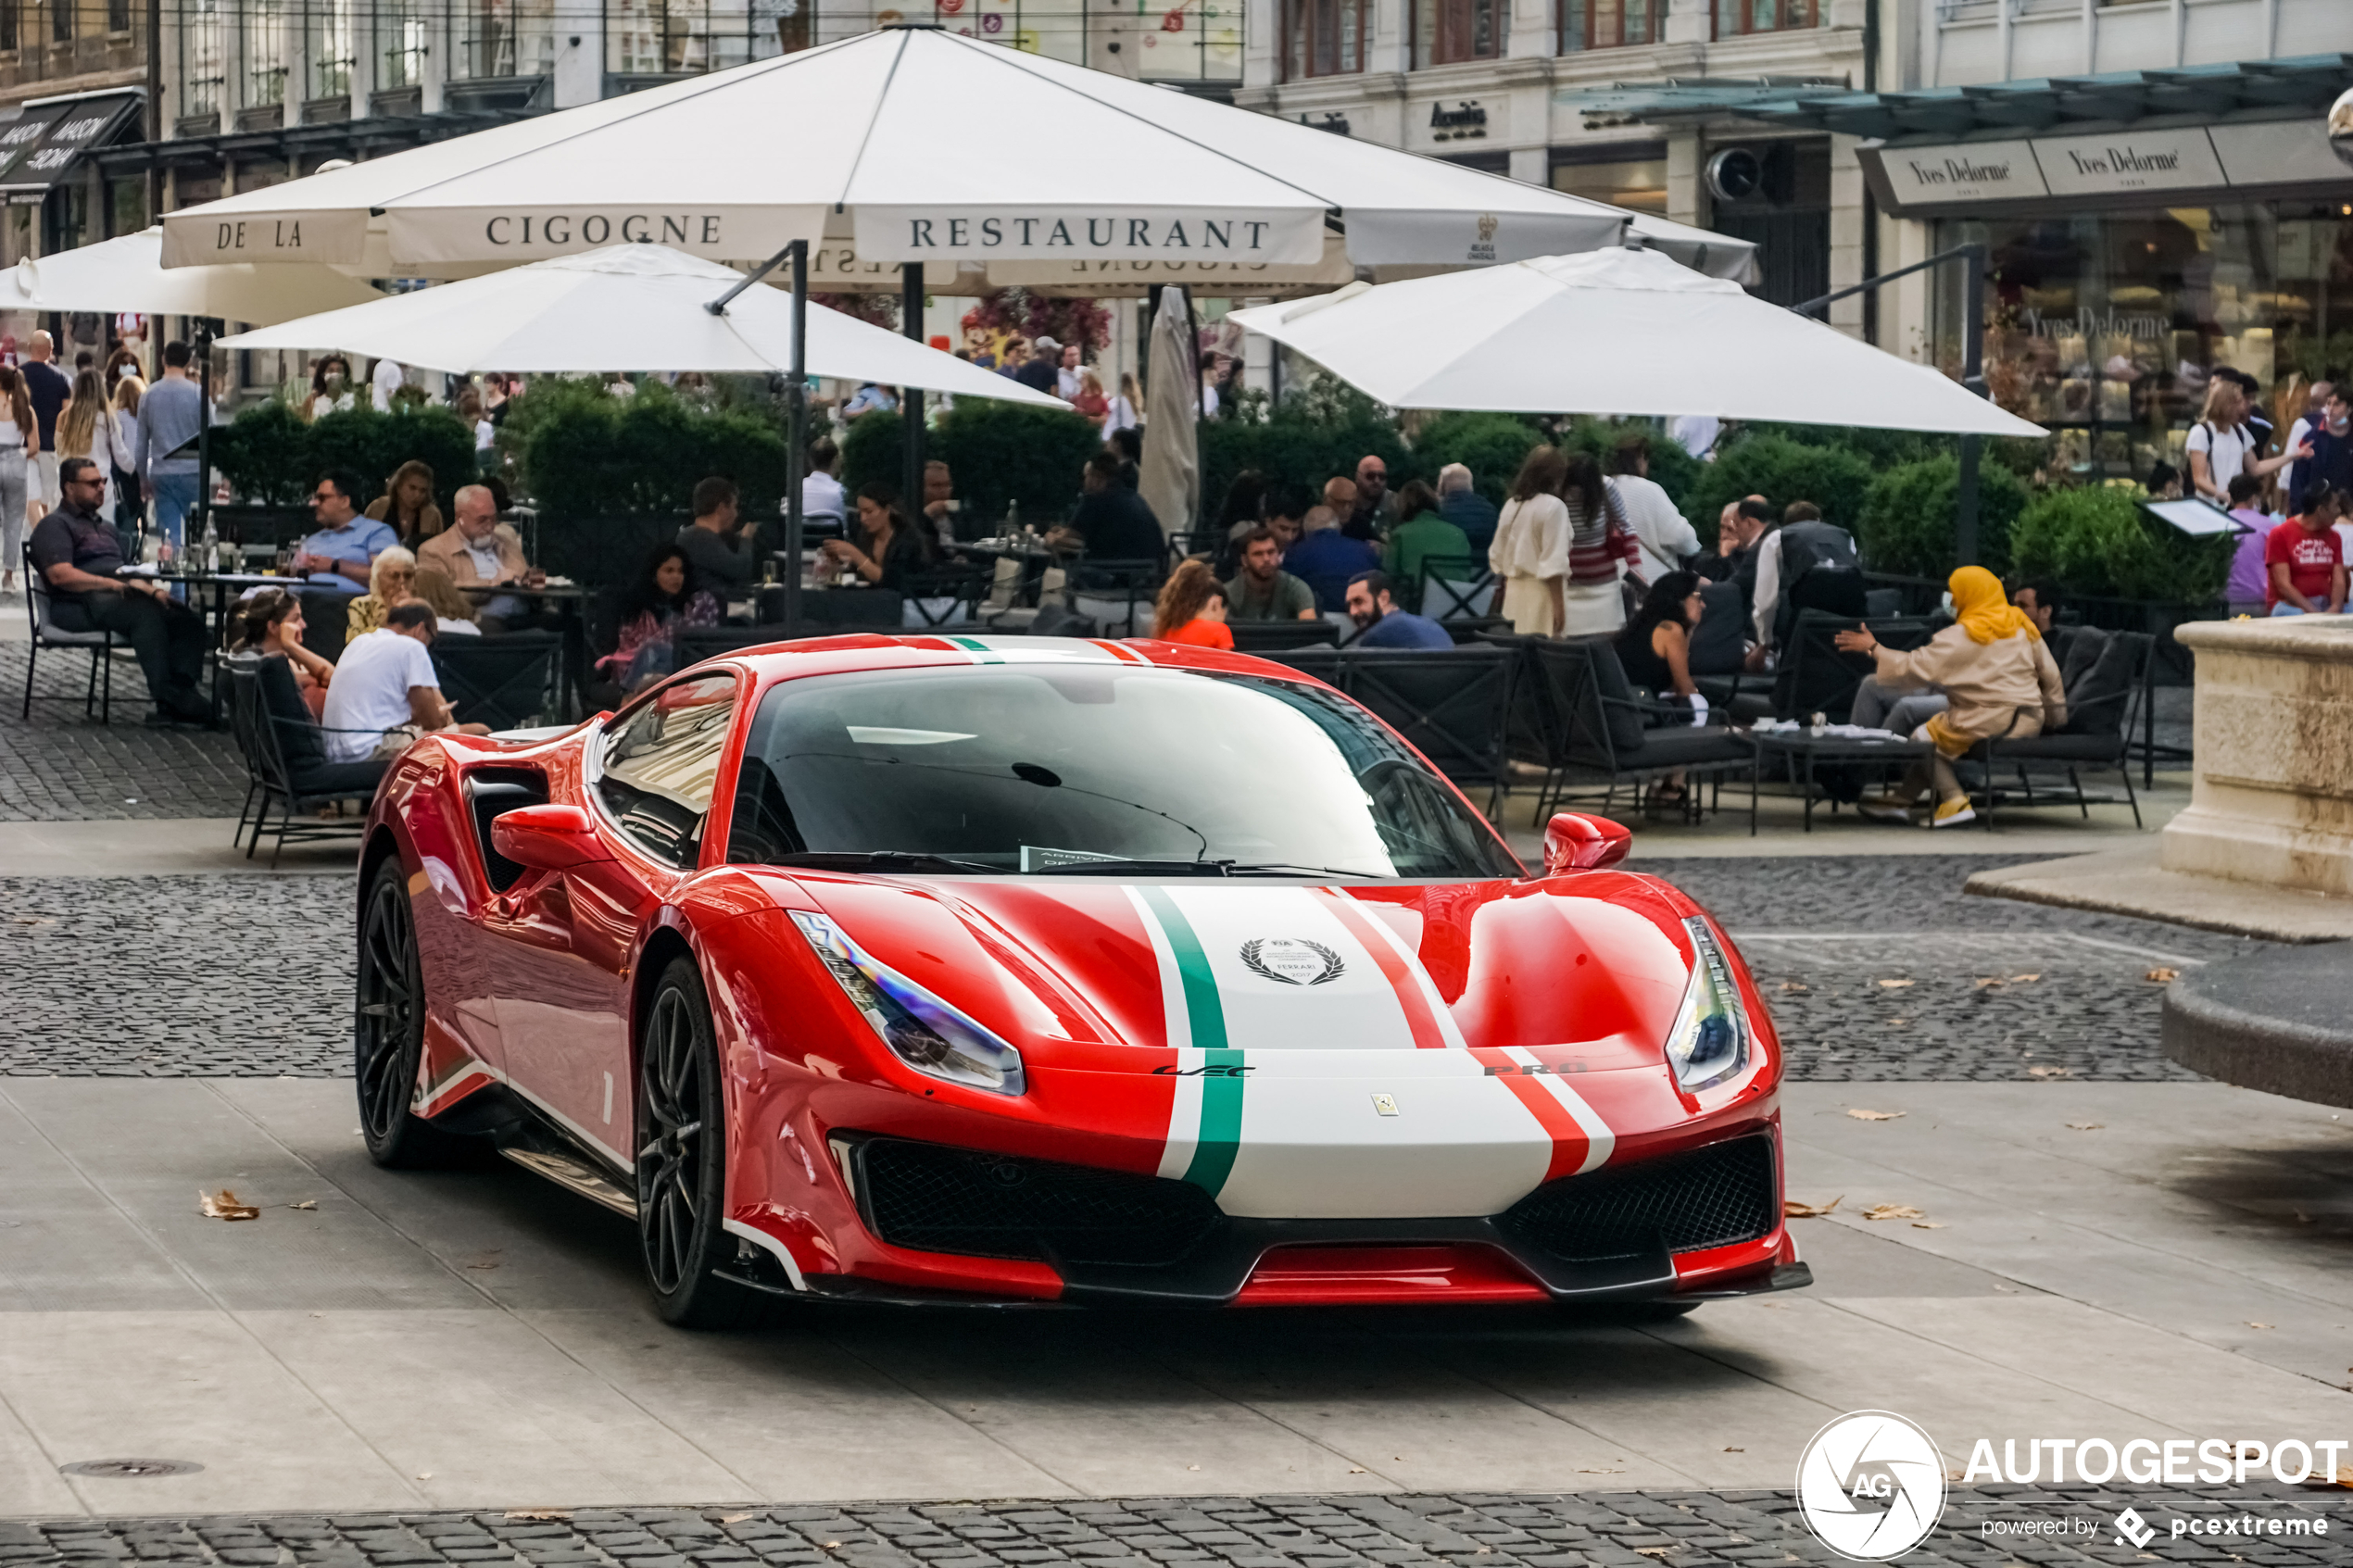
<point>567,937</point>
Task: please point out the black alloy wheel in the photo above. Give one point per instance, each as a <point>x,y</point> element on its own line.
<point>682,1161</point>
<point>389,1035</point>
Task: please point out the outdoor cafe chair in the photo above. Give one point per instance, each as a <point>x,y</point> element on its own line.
<point>825,612</point>
<point>2104,674</point>
<point>1608,734</point>
<point>47,633</point>
<point>290,754</point>
<point>1275,637</point>
<point>1116,595</point>
<point>1456,588</point>
<point>501,682</point>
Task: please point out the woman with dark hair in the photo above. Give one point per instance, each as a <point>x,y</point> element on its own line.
<point>662,599</point>
<point>1530,556</point>
<point>1192,608</point>
<point>888,550</point>
<point>270,620</point>
<point>331,388</point>
<point>1655,651</point>
<point>1592,603</point>
<point>408,504</point>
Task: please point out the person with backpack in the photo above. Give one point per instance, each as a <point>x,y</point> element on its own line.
<point>2222,445</point>
<point>1804,564</point>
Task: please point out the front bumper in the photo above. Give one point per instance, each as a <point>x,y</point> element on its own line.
<point>1613,1235</point>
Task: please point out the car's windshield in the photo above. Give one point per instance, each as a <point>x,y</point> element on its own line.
<point>1070,769</point>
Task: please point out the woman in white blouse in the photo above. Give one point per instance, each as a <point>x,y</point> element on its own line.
<point>87,429</point>
<point>1530,556</point>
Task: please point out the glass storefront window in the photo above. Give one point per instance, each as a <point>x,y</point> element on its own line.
<point>1639,184</point>
<point>2105,328</point>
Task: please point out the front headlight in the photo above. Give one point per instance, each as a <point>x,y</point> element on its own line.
<point>1709,1042</point>
<point>920,1029</point>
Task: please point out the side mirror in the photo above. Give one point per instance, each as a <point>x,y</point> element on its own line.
<point>546,838</point>
<point>1573,842</point>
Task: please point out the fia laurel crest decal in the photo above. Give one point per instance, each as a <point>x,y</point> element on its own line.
<point>1291,960</point>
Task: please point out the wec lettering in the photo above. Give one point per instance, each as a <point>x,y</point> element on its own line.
<point>1210,1071</point>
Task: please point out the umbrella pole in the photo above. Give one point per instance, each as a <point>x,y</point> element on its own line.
<point>797,436</point>
<point>192,527</point>
<point>911,399</point>
<point>1965,539</point>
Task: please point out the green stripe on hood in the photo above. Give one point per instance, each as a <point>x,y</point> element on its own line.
<point>1221,1095</point>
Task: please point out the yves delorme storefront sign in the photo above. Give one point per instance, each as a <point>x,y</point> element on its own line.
<point>2106,164</point>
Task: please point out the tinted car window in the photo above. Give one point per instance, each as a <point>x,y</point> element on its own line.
<point>660,760</point>
<point>1031,768</point>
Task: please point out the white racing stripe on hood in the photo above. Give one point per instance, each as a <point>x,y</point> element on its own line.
<point>1351,1007</point>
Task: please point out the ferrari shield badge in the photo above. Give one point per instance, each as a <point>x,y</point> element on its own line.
<point>1290,961</point>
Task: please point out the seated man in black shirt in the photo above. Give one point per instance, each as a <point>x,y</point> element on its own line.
<point>77,554</point>
<point>1113,523</point>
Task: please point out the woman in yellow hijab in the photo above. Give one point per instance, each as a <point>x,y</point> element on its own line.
<point>1997,677</point>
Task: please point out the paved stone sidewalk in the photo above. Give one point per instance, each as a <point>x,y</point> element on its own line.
<point>250,977</point>
<point>60,766</point>
<point>1608,1530</point>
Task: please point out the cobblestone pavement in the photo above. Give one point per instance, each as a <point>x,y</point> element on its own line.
<point>1609,1530</point>
<point>60,766</point>
<point>176,976</point>
<point>249,976</point>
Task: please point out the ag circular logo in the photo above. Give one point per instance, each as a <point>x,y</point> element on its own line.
<point>1871,1486</point>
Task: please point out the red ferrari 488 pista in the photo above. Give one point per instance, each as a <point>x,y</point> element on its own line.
<point>1012,970</point>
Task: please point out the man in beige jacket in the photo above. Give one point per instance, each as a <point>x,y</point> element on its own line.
<point>482,552</point>
<point>1997,675</point>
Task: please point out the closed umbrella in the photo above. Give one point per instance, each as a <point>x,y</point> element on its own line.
<point>1619,332</point>
<point>626,307</point>
<point>1170,480</point>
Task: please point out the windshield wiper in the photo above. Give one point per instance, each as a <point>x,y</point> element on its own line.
<point>870,859</point>
<point>1287,868</point>
<point>1141,868</point>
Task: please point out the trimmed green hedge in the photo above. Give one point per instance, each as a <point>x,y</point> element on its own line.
<point>1491,445</point>
<point>2097,542</point>
<point>1782,471</point>
<point>268,455</point>
<point>1908,518</point>
<point>997,452</point>
<point>587,453</point>
<point>1318,434</point>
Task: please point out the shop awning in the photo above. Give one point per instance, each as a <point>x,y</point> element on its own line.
<point>70,128</point>
<point>2040,104</point>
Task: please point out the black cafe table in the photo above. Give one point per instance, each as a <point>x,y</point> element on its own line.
<point>1800,749</point>
<point>212,607</point>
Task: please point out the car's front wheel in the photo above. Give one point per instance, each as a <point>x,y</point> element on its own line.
<point>389,1035</point>
<point>682,1161</point>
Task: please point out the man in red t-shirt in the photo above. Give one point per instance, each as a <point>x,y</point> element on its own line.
<point>2304,561</point>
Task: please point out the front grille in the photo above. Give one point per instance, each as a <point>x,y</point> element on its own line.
<point>1711,1197</point>
<point>934,1198</point>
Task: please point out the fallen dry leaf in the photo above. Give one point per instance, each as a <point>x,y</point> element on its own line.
<point>2087,1126</point>
<point>1646,1550</point>
<point>1928,1225</point>
<point>1795,985</point>
<point>1985,980</point>
<point>223,1205</point>
<point>1793,1209</point>
<point>2050,1072</point>
<point>1584,1471</point>
<point>1895,984</point>
<point>538,1514</point>
<point>1192,1467</point>
<point>306,1203</point>
<point>1358,1469</point>
<point>424,1474</point>
<point>2161,975</point>
<point>2252,1324</point>
<point>1898,1023</point>
<point>1861,1115</point>
<point>2344,1476</point>
<point>732,1518</point>
<point>1736,1450</point>
<point>2024,979</point>
<point>1893,1211</point>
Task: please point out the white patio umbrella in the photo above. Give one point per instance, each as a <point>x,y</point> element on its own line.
<point>1169,479</point>
<point>1619,332</point>
<point>127,274</point>
<point>626,307</point>
<point>940,149</point>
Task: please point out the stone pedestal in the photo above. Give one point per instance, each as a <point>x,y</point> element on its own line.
<point>2273,798</point>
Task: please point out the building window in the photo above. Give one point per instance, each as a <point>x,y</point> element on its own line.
<point>7,26</point>
<point>1328,37</point>
<point>1734,17</point>
<point>203,58</point>
<point>62,21</point>
<point>1450,31</point>
<point>405,45</point>
<point>509,38</point>
<point>796,24</point>
<point>687,37</point>
<point>1613,24</point>
<point>328,26</point>
<point>265,38</point>
<point>1636,182</point>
